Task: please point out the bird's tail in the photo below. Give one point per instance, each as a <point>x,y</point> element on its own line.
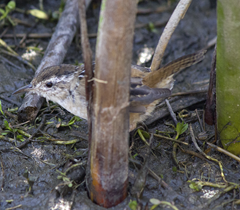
<point>177,65</point>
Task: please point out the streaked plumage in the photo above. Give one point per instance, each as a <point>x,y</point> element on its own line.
<point>65,85</point>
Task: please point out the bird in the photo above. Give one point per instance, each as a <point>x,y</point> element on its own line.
<point>65,84</point>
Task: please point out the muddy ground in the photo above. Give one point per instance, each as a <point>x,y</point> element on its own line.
<point>31,177</point>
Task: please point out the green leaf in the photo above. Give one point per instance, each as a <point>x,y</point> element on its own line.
<point>139,131</point>
<point>20,137</point>
<point>174,169</point>
<point>62,5</point>
<point>184,128</point>
<point>181,128</point>
<point>63,174</point>
<point>65,179</point>
<point>135,155</point>
<point>151,27</point>
<point>4,44</point>
<point>4,15</point>
<point>133,205</point>
<point>55,15</point>
<point>22,132</point>
<point>195,186</point>
<point>26,174</point>
<point>13,110</point>
<point>145,134</point>
<point>7,10</point>
<point>7,126</point>
<point>5,122</point>
<point>2,11</point>
<point>38,13</point>
<point>72,121</point>
<point>49,122</point>
<point>59,177</point>
<point>155,201</point>
<point>11,5</point>
<point>11,21</point>
<point>1,108</point>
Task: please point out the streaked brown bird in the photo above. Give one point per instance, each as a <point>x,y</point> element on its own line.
<point>64,84</point>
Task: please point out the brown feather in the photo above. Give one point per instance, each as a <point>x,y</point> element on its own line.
<point>153,78</point>
<point>47,73</point>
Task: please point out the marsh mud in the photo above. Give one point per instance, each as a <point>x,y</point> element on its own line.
<point>34,156</point>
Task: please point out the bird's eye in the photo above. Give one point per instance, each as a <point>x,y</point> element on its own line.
<point>49,84</point>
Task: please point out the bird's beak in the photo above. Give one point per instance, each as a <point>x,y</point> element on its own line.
<point>23,89</point>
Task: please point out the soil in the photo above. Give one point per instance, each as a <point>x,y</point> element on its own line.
<point>32,176</point>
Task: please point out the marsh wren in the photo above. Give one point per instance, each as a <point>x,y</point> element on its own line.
<point>65,85</point>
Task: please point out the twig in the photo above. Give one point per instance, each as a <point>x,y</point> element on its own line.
<point>172,114</point>
<point>30,138</point>
<point>153,174</point>
<point>9,114</point>
<point>219,149</point>
<point>200,123</point>
<point>208,157</point>
<point>24,144</point>
<point>142,137</point>
<point>87,55</point>
<point>167,138</point>
<point>210,110</point>
<point>188,93</point>
<point>20,124</point>
<point>39,127</point>
<point>26,35</point>
<point>14,207</point>
<point>190,152</point>
<point>211,43</point>
<point>156,24</point>
<point>14,34</point>
<point>3,173</point>
<point>177,15</point>
<point>10,101</point>
<point>203,117</point>
<point>16,149</point>
<point>174,153</point>
<point>21,22</point>
<point>18,57</point>
<point>4,32</point>
<point>12,64</point>
<point>150,10</point>
<point>139,183</point>
<point>39,35</point>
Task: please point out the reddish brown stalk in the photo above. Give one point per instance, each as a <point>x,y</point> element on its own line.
<point>107,180</point>
<point>87,55</point>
